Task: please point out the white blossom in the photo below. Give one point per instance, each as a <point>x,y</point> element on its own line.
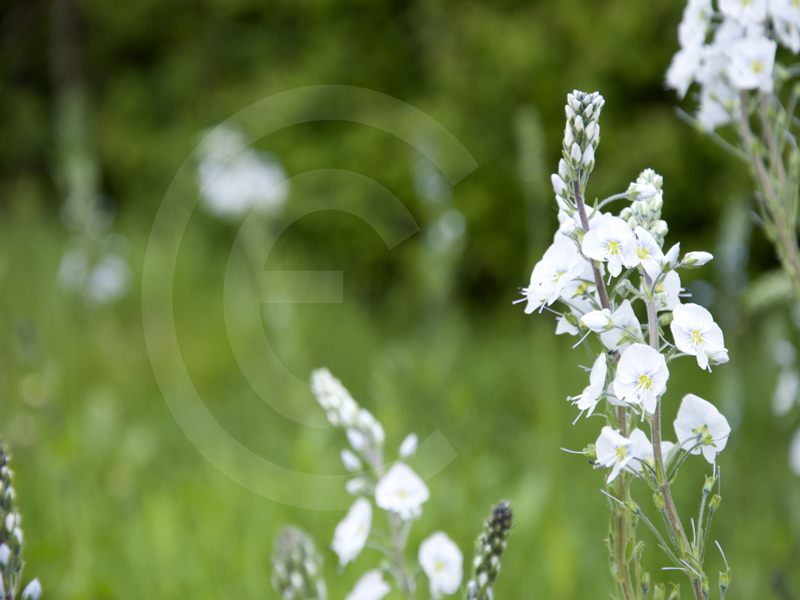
<point>752,61</point>
<point>409,445</point>
<point>696,333</point>
<point>718,105</point>
<point>682,70</point>
<point>370,586</point>
<point>352,532</point>
<point>598,320</point>
<point>699,421</point>
<point>442,562</point>
<point>667,293</point>
<point>609,242</point>
<point>645,452</point>
<point>614,450</point>
<point>694,25</point>
<point>626,325</point>
<point>697,259</point>
<point>592,393</point>
<point>645,251</point>
<point>670,259</point>
<point>744,11</point>
<point>32,591</point>
<point>641,377</point>
<point>786,19</point>
<point>559,265</point>
<point>401,491</point>
<point>355,486</point>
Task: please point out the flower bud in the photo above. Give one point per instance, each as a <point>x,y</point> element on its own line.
<point>704,585</point>
<point>351,461</point>
<point>568,228</point>
<point>708,486</point>
<point>675,594</point>
<point>578,124</point>
<point>725,580</point>
<point>659,591</point>
<point>409,445</point>
<point>592,129</point>
<point>569,138</point>
<point>645,584</point>
<point>671,258</point>
<point>658,500</point>
<point>598,321</point>
<point>665,319</point>
<point>716,499</point>
<point>588,157</point>
<point>558,184</point>
<point>696,259</point>
<point>575,154</point>
<point>563,170</point>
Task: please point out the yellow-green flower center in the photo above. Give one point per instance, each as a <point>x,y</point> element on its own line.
<point>621,453</point>
<point>439,566</point>
<point>758,67</point>
<point>613,248</point>
<point>558,275</point>
<point>643,253</point>
<point>645,382</point>
<point>697,338</point>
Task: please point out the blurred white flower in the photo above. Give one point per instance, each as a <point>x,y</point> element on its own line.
<point>109,280</point>
<point>409,445</point>
<point>786,19</point>
<point>718,105</point>
<point>233,178</point>
<point>794,453</point>
<point>560,264</point>
<point>351,461</point>
<point>667,292</point>
<point>442,562</point>
<point>588,400</point>
<point>614,450</point>
<point>609,242</point>
<point>700,421</point>
<point>32,591</point>
<point>370,586</point>
<point>401,491</point>
<point>5,554</point>
<point>752,61</point>
<point>785,391</point>
<point>645,452</point>
<point>352,532</point>
<point>623,318</point>
<point>744,11</point>
<point>694,25</point>
<point>682,70</point>
<point>355,486</point>
<point>696,333</point>
<point>642,376</point>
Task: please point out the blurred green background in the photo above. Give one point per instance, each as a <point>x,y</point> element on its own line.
<point>113,97</point>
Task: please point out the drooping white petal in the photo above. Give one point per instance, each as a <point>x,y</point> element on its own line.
<point>352,532</point>
<point>699,420</point>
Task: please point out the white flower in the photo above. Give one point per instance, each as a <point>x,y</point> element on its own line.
<point>785,392</point>
<point>588,400</point>
<point>697,259</point>
<point>442,562</point>
<point>794,453</point>
<point>696,333</point>
<point>682,70</point>
<point>671,257</point>
<point>644,251</point>
<point>718,104</point>
<point>614,450</point>
<point>645,452</point>
<point>409,445</point>
<point>700,421</point>
<point>32,591</point>
<point>744,11</point>
<point>351,461</point>
<point>752,60</point>
<point>642,376</point>
<point>559,265</point>
<point>355,486</point>
<point>401,491</point>
<point>609,242</point>
<point>352,532</point>
<point>694,25</point>
<point>370,586</point>
<point>667,292</point>
<point>5,554</point>
<point>598,320</point>
<point>625,321</point>
<point>786,18</point>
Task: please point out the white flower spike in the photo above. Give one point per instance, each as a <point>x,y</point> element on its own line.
<point>699,422</point>
<point>352,532</point>
<point>642,376</point>
<point>696,333</point>
<point>442,562</point>
<point>401,491</point>
<point>614,450</point>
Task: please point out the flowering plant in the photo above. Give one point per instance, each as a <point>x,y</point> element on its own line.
<point>600,268</point>
<point>399,493</point>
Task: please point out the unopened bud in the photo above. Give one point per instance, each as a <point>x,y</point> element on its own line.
<point>659,591</point>
<point>708,486</point>
<point>632,506</point>
<point>704,585</point>
<point>696,259</point>
<point>715,500</point>
<point>578,124</point>
<point>658,500</point>
<point>665,319</point>
<point>576,154</point>
<point>725,580</point>
<point>675,594</point>
<point>645,584</point>
<point>563,170</point>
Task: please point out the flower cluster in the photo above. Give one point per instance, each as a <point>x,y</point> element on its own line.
<point>599,268</point>
<point>399,492</point>
<point>297,567</point>
<point>11,562</point>
<point>488,549</point>
<point>738,57</point>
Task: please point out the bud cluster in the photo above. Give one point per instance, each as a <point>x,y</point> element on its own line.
<point>488,549</point>
<point>344,412</point>
<point>297,567</point>
<point>645,210</point>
